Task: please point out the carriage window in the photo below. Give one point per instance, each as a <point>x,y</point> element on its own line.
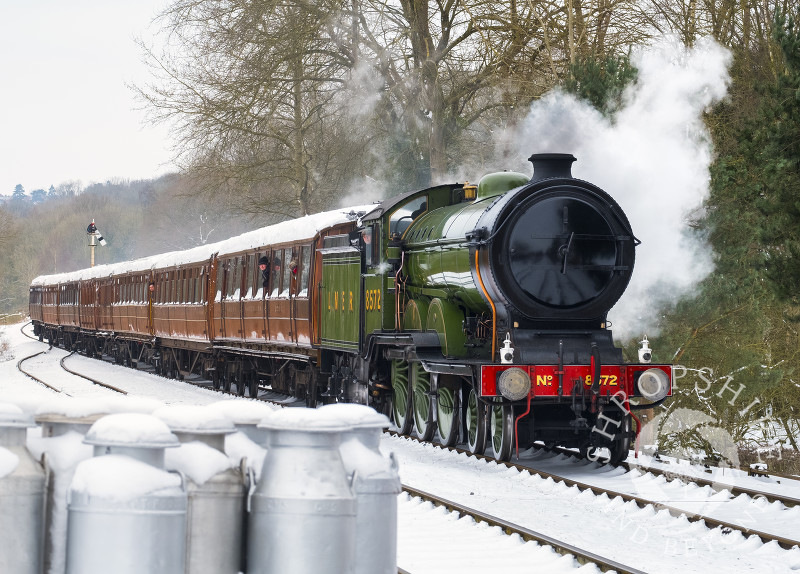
<point>249,290</point>
<point>402,218</point>
<point>275,278</point>
<point>305,270</point>
<point>235,275</point>
<point>290,266</point>
<point>366,236</point>
<point>262,276</point>
<point>220,279</point>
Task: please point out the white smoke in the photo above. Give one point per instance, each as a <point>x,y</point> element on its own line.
<point>653,159</point>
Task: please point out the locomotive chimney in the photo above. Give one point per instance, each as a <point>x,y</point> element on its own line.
<point>550,165</point>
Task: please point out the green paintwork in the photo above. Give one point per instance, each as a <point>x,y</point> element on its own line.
<point>438,254</point>
<point>437,266</point>
<point>446,319</point>
<point>378,306</point>
<point>495,184</point>
<point>445,411</point>
<point>341,299</point>
<point>421,386</point>
<point>400,397</point>
<point>416,314</point>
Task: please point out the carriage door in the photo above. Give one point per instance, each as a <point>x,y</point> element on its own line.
<point>340,294</point>
<point>231,302</point>
<point>219,292</point>
<point>301,306</point>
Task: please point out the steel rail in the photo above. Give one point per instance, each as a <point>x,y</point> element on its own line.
<point>34,377</point>
<point>90,379</point>
<point>786,543</point>
<point>718,486</point>
<point>509,528</point>
<point>56,389</point>
<point>22,330</point>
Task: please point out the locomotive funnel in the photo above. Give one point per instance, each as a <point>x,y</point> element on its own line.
<point>550,165</point>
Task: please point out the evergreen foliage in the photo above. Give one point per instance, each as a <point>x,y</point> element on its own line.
<point>738,337</point>
<point>601,80</point>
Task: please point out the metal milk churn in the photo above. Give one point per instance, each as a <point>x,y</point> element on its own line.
<point>64,423</point>
<point>22,496</point>
<point>126,513</point>
<point>54,424</point>
<point>302,515</point>
<point>246,414</point>
<point>216,488</point>
<point>376,485</point>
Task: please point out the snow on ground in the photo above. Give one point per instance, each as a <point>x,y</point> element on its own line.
<point>773,518</point>
<point>638,537</point>
<point>431,540</point>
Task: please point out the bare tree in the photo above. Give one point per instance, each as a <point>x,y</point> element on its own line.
<point>248,84</point>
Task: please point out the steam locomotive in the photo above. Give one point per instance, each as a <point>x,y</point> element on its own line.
<point>469,313</point>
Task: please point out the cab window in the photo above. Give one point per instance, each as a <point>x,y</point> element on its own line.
<point>404,215</point>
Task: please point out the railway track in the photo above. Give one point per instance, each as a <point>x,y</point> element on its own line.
<point>641,502</point>
<point>68,370</point>
<point>735,490</point>
<point>34,377</point>
<point>509,528</point>
<point>717,485</point>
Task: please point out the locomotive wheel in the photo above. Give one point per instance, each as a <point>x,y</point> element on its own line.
<point>448,421</point>
<point>423,413</point>
<point>474,422</point>
<point>401,399</point>
<point>622,442</point>
<point>501,431</point>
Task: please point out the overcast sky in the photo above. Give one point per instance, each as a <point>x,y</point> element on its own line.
<point>65,110</point>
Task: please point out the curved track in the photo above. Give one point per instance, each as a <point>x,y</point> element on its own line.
<point>34,377</point>
<point>68,370</point>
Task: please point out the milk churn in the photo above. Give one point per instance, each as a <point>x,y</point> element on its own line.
<point>250,442</point>
<point>302,515</point>
<point>22,496</point>
<point>216,488</point>
<point>64,423</point>
<point>376,485</point>
<point>127,514</point>
<point>246,414</point>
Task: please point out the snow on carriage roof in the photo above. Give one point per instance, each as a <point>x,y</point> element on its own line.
<point>292,230</point>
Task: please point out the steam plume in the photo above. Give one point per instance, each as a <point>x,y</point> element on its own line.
<point>653,159</point>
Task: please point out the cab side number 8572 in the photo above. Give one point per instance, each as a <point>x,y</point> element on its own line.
<point>372,301</point>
